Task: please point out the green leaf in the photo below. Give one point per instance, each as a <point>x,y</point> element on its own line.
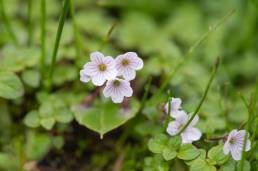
<point>168,153</point>
<point>58,142</point>
<point>188,152</point>
<point>37,145</point>
<point>32,119</point>
<point>201,165</point>
<point>216,153</point>
<point>247,166</point>
<point>230,165</point>
<point>31,78</point>
<point>158,143</point>
<point>104,116</point>
<point>155,163</point>
<point>63,115</point>
<point>10,85</point>
<point>47,122</point>
<point>201,156</point>
<point>174,142</point>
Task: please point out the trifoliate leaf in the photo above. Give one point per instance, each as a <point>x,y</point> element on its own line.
<point>158,143</point>
<point>47,122</point>
<point>168,153</point>
<point>216,153</point>
<point>188,152</point>
<point>201,165</point>
<point>32,119</point>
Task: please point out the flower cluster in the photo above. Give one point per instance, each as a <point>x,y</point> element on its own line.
<point>235,142</point>
<point>116,73</point>
<point>190,133</point>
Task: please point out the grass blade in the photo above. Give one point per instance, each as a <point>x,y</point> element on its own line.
<point>57,41</point>
<point>42,37</point>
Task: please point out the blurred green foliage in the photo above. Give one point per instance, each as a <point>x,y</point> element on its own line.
<point>47,126</point>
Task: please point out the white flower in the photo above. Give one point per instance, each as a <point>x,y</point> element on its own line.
<point>190,134</point>
<point>127,63</point>
<point>175,107</point>
<point>235,143</point>
<point>118,89</point>
<point>100,68</point>
<point>84,77</point>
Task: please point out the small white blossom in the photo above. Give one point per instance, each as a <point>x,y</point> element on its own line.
<point>235,143</point>
<point>118,89</point>
<point>100,68</point>
<point>190,134</point>
<point>84,77</point>
<point>175,107</point>
<point>127,63</point>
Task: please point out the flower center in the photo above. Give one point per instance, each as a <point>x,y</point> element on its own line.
<point>125,62</point>
<point>102,67</point>
<point>116,83</point>
<point>232,141</point>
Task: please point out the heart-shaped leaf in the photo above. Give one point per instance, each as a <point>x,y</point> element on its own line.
<point>10,85</point>
<point>104,116</point>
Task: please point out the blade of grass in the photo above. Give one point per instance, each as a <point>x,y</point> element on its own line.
<point>7,23</point>
<point>29,13</point>
<point>42,37</point>
<point>252,116</point>
<point>107,37</point>
<point>214,71</point>
<point>57,41</point>
<point>191,50</point>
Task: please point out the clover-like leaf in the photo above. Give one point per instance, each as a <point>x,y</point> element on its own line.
<point>158,143</point>
<point>10,85</point>
<point>201,165</point>
<point>32,119</point>
<point>105,116</point>
<point>47,122</point>
<point>188,152</point>
<point>216,154</point>
<point>168,153</point>
<point>155,163</point>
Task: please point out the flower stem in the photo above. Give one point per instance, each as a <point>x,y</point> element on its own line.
<point>191,50</point>
<point>7,23</point>
<point>57,41</point>
<point>42,37</point>
<point>29,12</point>
<point>214,71</point>
<point>76,32</point>
<point>146,92</point>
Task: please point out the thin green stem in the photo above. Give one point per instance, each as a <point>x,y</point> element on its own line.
<point>76,32</point>
<point>214,71</point>
<point>42,37</point>
<point>146,92</point>
<point>169,109</point>
<point>29,22</point>
<point>191,50</point>
<point>7,23</point>
<point>108,35</point>
<point>57,41</point>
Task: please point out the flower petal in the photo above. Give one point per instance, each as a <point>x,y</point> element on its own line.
<point>84,77</point>
<point>126,89</point>
<point>135,62</point>
<point>173,128</point>
<point>108,90</point>
<point>236,152</point>
<point>96,57</point>
<point>248,145</point>
<point>91,69</point>
<point>98,79</point>
<point>190,135</point>
<point>129,74</point>
<point>226,148</point>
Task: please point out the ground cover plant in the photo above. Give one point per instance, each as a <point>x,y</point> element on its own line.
<point>132,85</point>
